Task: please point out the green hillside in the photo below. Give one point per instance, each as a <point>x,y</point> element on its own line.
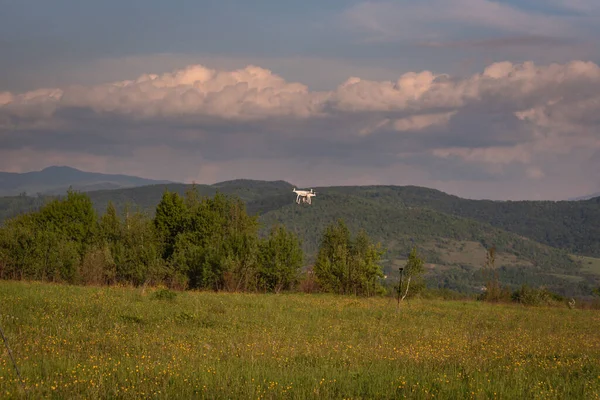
<point>535,239</point>
<point>571,225</point>
<point>260,196</point>
<point>454,247</point>
<point>11,206</point>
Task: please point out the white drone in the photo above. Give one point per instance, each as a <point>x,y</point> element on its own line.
<point>304,195</point>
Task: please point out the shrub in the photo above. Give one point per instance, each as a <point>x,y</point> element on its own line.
<point>164,294</point>
<point>533,297</point>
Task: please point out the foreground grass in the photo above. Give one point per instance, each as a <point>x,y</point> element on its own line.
<point>77,342</point>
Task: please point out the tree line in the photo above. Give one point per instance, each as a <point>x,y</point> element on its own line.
<point>191,242</point>
<point>199,242</point>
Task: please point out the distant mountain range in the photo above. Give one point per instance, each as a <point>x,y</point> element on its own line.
<point>57,180</point>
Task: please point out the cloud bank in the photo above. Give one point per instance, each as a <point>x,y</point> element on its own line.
<point>510,131</point>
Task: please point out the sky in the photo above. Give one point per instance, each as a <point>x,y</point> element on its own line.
<point>477,98</point>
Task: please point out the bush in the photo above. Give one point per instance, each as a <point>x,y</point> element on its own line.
<point>308,283</point>
<point>164,294</point>
<point>533,297</point>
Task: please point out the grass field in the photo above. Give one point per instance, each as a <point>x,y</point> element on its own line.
<point>471,253</point>
<point>589,264</point>
<point>465,253</point>
<point>88,342</point>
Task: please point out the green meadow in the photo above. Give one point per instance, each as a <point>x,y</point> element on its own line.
<point>589,264</point>
<point>75,342</point>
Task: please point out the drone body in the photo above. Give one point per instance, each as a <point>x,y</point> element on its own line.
<point>304,196</point>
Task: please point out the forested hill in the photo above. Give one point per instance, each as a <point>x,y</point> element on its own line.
<point>570,225</point>
<point>260,196</point>
<point>534,238</point>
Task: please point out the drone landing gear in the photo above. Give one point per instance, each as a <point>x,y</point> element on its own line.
<point>303,200</point>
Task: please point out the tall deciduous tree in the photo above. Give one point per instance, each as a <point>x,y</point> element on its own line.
<point>332,266</point>
<point>280,260</point>
<point>413,270</point>
<point>49,244</point>
<point>110,224</point>
<point>72,218</point>
<point>345,265</point>
<point>365,267</point>
<point>139,253</point>
<point>218,248</point>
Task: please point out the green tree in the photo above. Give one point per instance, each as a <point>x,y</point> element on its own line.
<point>494,291</point>
<point>233,240</point>
<point>413,269</point>
<point>100,264</point>
<point>18,248</point>
<point>111,229</point>
<point>219,247</point>
<point>50,243</point>
<point>138,254</point>
<point>73,218</point>
<point>331,268</point>
<point>345,265</point>
<point>365,269</point>
<point>171,218</point>
<point>280,259</point>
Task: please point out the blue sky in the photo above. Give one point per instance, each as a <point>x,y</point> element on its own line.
<point>319,44</point>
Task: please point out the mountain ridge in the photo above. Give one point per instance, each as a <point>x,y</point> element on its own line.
<point>586,197</point>
<point>57,179</point>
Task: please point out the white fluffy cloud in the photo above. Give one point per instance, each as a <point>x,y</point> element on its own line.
<point>250,92</point>
<point>255,92</point>
<point>517,121</point>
